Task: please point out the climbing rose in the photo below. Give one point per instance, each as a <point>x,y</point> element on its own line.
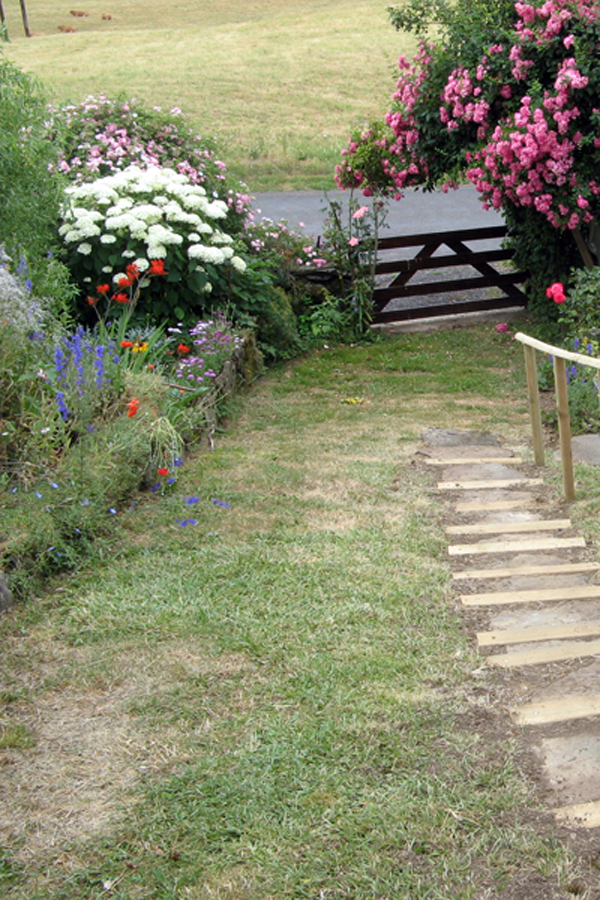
<point>556,292</point>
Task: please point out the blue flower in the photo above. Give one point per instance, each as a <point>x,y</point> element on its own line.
<point>171,480</point>
<point>576,344</point>
<point>178,461</point>
<point>39,496</point>
<point>54,485</point>
<point>191,500</point>
<point>112,511</point>
<point>156,487</point>
<point>222,503</point>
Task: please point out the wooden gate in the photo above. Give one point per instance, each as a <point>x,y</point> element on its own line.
<point>387,299</point>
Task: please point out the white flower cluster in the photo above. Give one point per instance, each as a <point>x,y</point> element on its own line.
<point>152,209</point>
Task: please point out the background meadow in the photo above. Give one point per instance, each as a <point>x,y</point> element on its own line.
<point>278,84</point>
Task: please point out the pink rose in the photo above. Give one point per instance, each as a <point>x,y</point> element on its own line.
<point>556,292</point>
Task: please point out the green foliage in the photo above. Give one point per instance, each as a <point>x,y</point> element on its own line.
<point>29,194</point>
<point>580,313</point>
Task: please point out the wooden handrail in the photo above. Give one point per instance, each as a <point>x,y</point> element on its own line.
<point>530,345</point>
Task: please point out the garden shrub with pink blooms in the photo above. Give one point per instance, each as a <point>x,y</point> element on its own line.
<point>507,96</point>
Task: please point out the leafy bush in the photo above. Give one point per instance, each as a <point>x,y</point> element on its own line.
<point>29,195</point>
<point>102,136</point>
<point>506,95</point>
<point>580,312</point>
<point>141,215</point>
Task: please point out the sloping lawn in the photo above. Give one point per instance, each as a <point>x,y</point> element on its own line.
<point>278,699</point>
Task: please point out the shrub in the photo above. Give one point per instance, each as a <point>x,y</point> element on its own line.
<point>141,215</point>
<point>102,136</point>
<point>29,194</point>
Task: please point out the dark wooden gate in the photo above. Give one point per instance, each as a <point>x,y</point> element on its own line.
<point>390,300</point>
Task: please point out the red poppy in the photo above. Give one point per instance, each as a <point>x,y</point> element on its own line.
<point>120,298</point>
<point>163,472</point>
<point>157,267</point>
<point>126,344</point>
<point>103,288</point>
<point>183,349</point>
<point>133,406</point>
<point>150,366</point>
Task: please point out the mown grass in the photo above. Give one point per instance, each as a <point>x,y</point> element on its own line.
<point>286,687</point>
<point>278,84</point>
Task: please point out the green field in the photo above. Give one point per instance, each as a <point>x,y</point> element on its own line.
<point>278,84</point>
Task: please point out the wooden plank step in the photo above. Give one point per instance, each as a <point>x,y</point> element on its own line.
<point>510,527</point>
<point>475,461</point>
<point>571,568</point>
<point>565,709</point>
<point>500,598</point>
<point>584,815</point>
<point>563,631</point>
<point>491,484</point>
<point>573,650</point>
<point>522,546</point>
<point>492,505</point>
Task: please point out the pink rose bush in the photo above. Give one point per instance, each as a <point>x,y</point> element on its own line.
<point>520,118</point>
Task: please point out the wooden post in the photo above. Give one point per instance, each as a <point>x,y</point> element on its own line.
<point>564,426</point>
<point>2,16</point>
<point>533,396</point>
<point>25,20</point>
<point>583,249</point>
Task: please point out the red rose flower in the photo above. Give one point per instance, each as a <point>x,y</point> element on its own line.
<point>556,292</point>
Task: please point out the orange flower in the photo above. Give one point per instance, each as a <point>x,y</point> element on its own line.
<point>157,267</point>
<point>120,298</point>
<point>103,288</point>
<point>126,344</point>
<point>133,406</point>
<point>183,349</point>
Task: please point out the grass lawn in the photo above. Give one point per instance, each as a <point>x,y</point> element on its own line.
<point>279,701</point>
<point>279,84</point>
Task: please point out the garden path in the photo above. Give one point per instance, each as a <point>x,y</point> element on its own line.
<point>531,590</point>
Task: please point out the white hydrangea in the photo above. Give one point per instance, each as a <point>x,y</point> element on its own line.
<point>108,239</point>
<point>238,264</point>
<point>85,249</point>
<point>141,263</point>
<point>206,254</point>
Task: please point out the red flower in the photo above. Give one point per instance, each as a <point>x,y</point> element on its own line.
<point>132,272</point>
<point>183,349</point>
<point>157,267</point>
<point>150,366</point>
<point>133,406</point>
<point>126,344</point>
<point>556,292</point>
<point>124,282</point>
<point>103,288</point>
<point>92,301</point>
<point>120,298</point>
<point>163,472</point>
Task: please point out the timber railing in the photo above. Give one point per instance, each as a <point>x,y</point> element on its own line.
<point>530,346</point>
